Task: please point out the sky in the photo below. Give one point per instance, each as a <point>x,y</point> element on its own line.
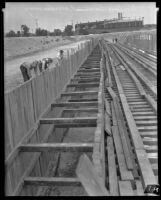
<point>58,15</point>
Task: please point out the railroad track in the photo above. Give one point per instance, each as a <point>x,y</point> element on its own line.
<point>146,78</point>
<point>146,67</point>
<point>142,120</point>
<point>149,52</point>
<point>150,66</point>
<point>142,53</point>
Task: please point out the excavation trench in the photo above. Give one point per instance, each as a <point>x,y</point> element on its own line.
<point>63,164</point>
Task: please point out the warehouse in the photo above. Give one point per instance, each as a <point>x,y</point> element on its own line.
<point>105,26</point>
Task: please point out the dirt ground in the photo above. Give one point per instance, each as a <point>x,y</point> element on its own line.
<point>19,46</point>
<point>12,74</point>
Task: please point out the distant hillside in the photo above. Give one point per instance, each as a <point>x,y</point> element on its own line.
<point>18,46</point>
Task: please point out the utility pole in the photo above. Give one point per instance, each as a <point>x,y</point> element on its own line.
<point>36,23</point>
<point>72,24</point>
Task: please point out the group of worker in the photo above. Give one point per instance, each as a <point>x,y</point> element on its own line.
<point>37,65</point>
<point>114,40</point>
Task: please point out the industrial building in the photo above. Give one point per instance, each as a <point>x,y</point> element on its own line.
<point>114,25</point>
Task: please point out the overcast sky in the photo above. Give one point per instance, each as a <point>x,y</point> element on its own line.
<point>57,15</point>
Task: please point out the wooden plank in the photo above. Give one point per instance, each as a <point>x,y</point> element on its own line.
<point>72,104</point>
<point>89,70</point>
<point>139,188</point>
<point>15,116</point>
<point>79,93</point>
<point>87,81</point>
<point>125,147</point>
<point>68,120</point>
<point>136,138</point>
<point>153,157</point>
<point>150,141</point>
<point>89,178</point>
<point>122,132</point>
<point>57,147</point>
<point>107,124</point>
<point>145,168</point>
<point>51,181</point>
<point>82,100</point>
<point>120,89</point>
<point>150,149</point>
<point>125,174</point>
<point>125,188</point>
<point>112,93</point>
<point>83,85</point>
<point>81,110</point>
<point>75,125</point>
<point>151,102</point>
<point>114,120</point>
<point>9,140</point>
<point>108,69</point>
<point>112,171</point>
<point>88,74</point>
<point>107,106</point>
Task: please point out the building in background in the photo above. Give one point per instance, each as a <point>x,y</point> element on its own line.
<point>114,25</point>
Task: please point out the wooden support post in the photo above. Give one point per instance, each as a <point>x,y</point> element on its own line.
<point>72,104</point>
<point>83,85</point>
<point>57,147</point>
<point>51,181</point>
<point>81,110</point>
<point>79,93</point>
<point>68,120</point>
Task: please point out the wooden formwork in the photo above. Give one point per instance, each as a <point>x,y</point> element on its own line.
<point>24,106</point>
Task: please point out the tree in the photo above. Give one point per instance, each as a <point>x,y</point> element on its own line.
<point>68,30</point>
<point>57,32</point>
<point>11,33</point>
<point>25,30</point>
<point>83,31</point>
<point>41,32</point>
<point>18,33</point>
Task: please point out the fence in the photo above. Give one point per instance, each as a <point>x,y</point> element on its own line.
<point>24,106</point>
<point>142,40</point>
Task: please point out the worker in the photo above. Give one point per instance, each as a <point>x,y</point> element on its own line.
<point>25,70</point>
<point>60,56</point>
<point>40,66</point>
<point>116,40</point>
<point>46,62</point>
<point>34,65</point>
